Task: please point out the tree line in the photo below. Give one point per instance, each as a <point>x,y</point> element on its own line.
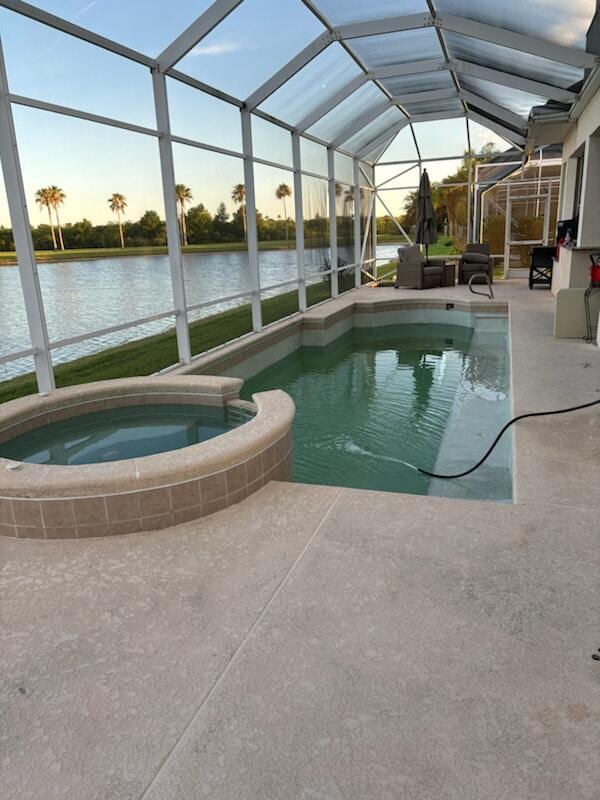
<point>196,223</point>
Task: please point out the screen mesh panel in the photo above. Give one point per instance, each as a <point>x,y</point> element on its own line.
<point>518,63</point>
<point>361,101</point>
<point>341,12</point>
<point>374,129</point>
<point>251,44</point>
<point>398,48</point>
<point>555,20</point>
<point>316,83</point>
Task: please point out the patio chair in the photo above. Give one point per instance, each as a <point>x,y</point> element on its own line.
<point>540,266</point>
<point>414,272</point>
<point>476,258</point>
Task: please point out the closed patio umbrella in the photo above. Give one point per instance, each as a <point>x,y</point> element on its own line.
<point>426,224</point>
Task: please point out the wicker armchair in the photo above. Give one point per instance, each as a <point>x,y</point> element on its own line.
<point>414,272</point>
<point>476,258</point>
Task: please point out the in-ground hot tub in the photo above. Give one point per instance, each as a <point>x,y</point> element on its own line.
<point>138,454</point>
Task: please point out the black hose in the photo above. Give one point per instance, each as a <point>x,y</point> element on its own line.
<point>504,429</point>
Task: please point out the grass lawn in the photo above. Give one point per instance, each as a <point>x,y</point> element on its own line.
<point>443,247</point>
<point>44,256</point>
<point>153,353</point>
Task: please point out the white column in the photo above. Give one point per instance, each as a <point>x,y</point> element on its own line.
<point>476,202</point>
<point>251,230</point>
<point>357,236</point>
<point>374,233</point>
<point>507,232</point>
<point>333,257</point>
<point>299,221</point>
<point>469,199</point>
<point>167,170</point>
<point>17,204</point>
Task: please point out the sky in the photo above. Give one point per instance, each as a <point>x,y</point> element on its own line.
<point>91,161</point>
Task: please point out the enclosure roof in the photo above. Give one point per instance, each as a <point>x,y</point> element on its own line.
<point>350,73</point>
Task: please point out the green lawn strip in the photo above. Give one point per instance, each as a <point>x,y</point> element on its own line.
<point>444,247</point>
<point>8,258</point>
<point>153,353</point>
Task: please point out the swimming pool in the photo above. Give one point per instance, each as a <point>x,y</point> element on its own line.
<point>119,433</point>
<point>378,402</point>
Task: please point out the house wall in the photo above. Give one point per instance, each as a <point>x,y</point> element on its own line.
<point>571,271</point>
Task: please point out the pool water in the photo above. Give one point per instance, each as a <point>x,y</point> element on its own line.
<point>119,433</point>
<point>377,403</point>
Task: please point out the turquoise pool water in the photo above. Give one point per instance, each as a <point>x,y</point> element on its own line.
<point>119,433</point>
<point>378,402</point>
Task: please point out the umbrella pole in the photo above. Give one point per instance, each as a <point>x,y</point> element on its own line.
<point>426,253</point>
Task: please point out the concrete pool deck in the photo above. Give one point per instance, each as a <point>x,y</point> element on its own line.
<point>317,642</point>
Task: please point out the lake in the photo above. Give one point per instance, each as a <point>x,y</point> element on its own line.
<point>84,296</point>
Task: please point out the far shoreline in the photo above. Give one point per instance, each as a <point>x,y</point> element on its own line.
<point>9,258</point>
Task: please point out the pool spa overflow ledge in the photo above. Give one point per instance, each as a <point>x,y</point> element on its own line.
<point>151,492</point>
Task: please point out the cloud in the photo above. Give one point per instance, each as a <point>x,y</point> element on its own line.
<point>216,49</point>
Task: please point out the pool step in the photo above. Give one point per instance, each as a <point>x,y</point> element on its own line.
<point>491,323</point>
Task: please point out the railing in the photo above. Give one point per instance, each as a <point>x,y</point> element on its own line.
<point>309,279</point>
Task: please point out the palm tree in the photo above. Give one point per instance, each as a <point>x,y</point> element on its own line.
<point>283,191</point>
<point>118,204</point>
<point>43,199</point>
<point>238,195</point>
<point>184,195</point>
<point>57,198</point>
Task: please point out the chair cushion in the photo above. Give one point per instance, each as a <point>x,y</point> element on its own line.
<point>433,269</point>
<point>475,258</point>
<point>410,255</point>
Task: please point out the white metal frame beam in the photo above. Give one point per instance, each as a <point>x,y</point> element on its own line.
<point>200,28</point>
<point>513,81</point>
<point>501,113</point>
<point>433,116</point>
<point>362,121</point>
<point>324,108</point>
<point>517,41</point>
<point>410,68</point>
<point>396,176</point>
<point>376,27</point>
<point>429,94</point>
<point>357,219</point>
<point>477,30</point>
<point>517,139</point>
<point>333,255</point>
<point>288,71</point>
<point>17,204</point>
<point>299,218</point>
<point>66,111</point>
<point>251,227</point>
<point>375,143</point>
<point>60,24</point>
<point>445,51</point>
<point>167,170</point>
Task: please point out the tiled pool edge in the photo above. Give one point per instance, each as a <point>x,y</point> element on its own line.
<point>149,493</point>
<point>320,326</point>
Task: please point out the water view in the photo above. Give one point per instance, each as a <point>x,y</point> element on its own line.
<point>88,295</point>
